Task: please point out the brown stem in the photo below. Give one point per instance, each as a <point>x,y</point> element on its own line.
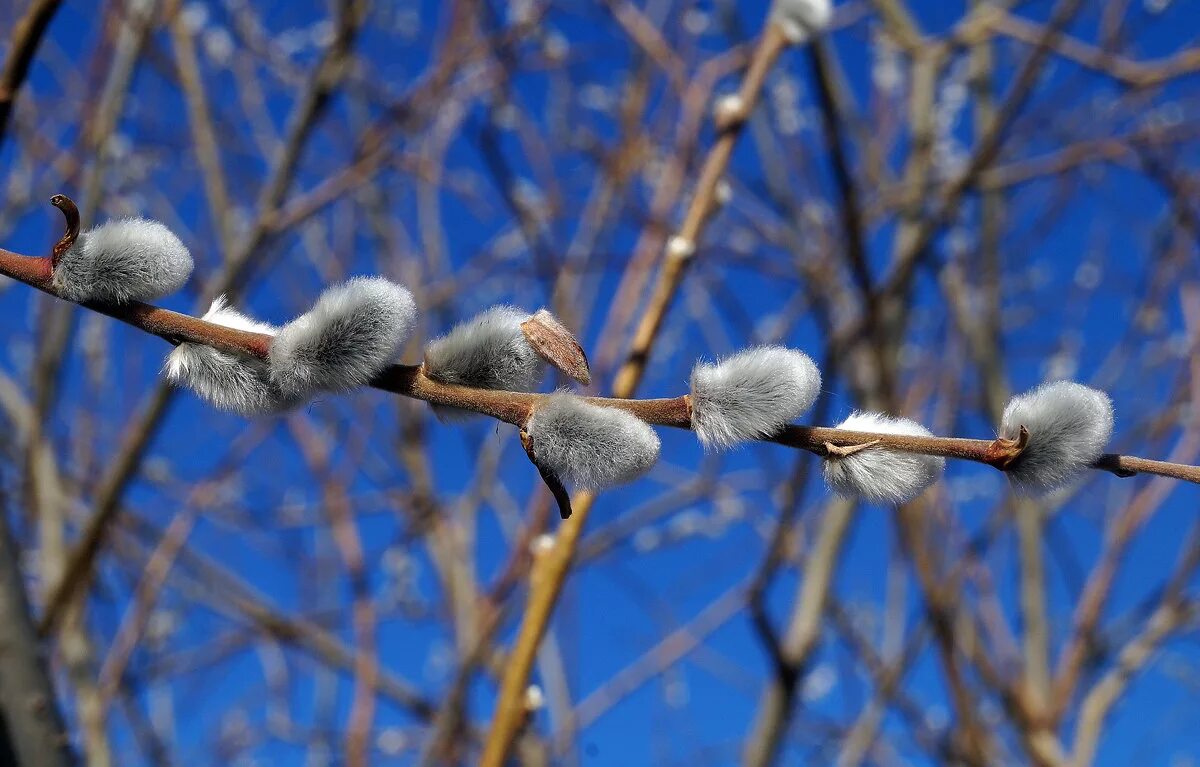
<point>1130,465</point>
<point>33,731</point>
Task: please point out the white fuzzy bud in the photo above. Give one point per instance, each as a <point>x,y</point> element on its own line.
<point>235,382</point>
<point>680,247</point>
<point>1069,426</point>
<point>729,108</point>
<point>752,394</point>
<point>723,192</point>
<point>488,351</point>
<point>542,544</point>
<point>353,331</point>
<point>877,473</point>
<point>799,20</point>
<point>132,259</point>
<point>590,446</point>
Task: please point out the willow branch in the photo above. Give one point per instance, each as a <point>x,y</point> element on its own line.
<point>515,407</point>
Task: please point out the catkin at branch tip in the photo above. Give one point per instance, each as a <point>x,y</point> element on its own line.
<point>235,382</point>
<point>353,331</point>
<point>1069,426</point>
<point>879,474</point>
<point>590,446</point>
<point>132,259</point>
<point>752,394</point>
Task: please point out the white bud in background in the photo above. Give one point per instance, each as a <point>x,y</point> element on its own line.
<point>535,700</point>
<point>680,247</point>
<point>542,544</point>
<point>752,394</point>
<point>133,259</point>
<point>728,109</point>
<point>590,446</point>
<point>351,334</point>
<point>1069,426</point>
<point>878,473</point>
<point>799,20</point>
<point>723,192</point>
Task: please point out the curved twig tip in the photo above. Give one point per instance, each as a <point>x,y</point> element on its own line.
<point>71,213</point>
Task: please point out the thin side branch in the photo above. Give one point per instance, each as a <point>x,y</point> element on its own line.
<point>27,34</point>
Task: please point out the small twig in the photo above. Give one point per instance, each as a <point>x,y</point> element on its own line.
<point>27,35</point>
<point>71,214</point>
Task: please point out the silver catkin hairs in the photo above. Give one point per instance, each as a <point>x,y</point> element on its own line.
<point>488,351</point>
<point>877,473</point>
<point>132,259</point>
<point>752,394</point>
<point>238,383</point>
<point>353,331</point>
<point>590,446</point>
<point>1069,425</point>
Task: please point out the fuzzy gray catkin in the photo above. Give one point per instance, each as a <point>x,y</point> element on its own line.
<point>133,259</point>
<point>752,394</point>
<point>238,383</point>
<point>590,446</point>
<point>353,331</point>
<point>488,351</point>
<point>1069,426</point>
<point>879,474</point>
